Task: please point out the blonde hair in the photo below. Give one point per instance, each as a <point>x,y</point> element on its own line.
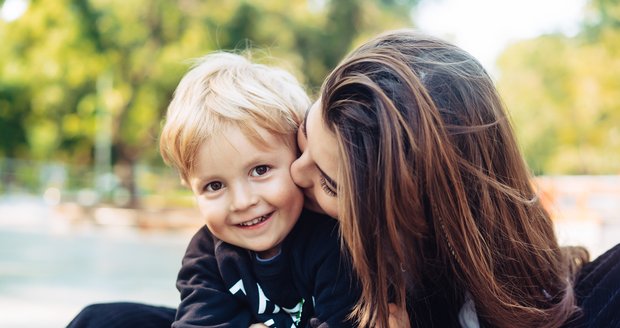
<point>224,89</point>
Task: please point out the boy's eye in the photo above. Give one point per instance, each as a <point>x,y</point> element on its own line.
<point>259,170</point>
<point>214,186</point>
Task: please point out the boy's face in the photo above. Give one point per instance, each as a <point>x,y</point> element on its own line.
<point>245,192</point>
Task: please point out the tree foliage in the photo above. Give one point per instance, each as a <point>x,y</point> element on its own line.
<point>77,72</point>
<point>564,95</point>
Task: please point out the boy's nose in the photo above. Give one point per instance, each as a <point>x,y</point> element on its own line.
<point>243,198</point>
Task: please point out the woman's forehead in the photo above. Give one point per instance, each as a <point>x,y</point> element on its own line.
<point>320,141</point>
<point>313,120</point>
<point>313,108</point>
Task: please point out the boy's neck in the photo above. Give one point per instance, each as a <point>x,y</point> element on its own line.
<point>269,254</point>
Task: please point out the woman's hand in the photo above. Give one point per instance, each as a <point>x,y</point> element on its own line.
<point>258,325</point>
<point>398,317</point>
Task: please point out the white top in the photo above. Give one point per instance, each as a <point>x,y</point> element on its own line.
<point>467,315</point>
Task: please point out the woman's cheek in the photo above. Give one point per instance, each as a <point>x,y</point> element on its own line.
<point>329,205</point>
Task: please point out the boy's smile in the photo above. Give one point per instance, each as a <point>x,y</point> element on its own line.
<point>254,222</point>
<point>245,191</point>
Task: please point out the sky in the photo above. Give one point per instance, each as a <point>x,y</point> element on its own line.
<point>485,27</point>
<point>13,9</point>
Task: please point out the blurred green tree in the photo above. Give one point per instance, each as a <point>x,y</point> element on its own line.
<point>563,93</point>
<point>88,81</point>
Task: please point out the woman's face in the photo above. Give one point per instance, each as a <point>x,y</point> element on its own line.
<point>316,170</point>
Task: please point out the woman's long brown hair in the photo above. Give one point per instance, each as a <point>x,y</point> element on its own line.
<point>433,185</point>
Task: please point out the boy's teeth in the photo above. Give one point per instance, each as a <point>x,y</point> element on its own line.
<point>255,221</point>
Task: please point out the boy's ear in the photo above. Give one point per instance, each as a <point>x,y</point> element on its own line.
<point>184,183</point>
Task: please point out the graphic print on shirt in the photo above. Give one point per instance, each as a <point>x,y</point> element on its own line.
<point>266,306</point>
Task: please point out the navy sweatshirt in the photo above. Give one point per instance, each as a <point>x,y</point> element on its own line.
<point>309,284</point>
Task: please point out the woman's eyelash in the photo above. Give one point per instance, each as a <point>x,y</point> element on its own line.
<point>328,190</point>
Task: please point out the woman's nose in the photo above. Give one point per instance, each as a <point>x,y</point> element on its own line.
<point>243,197</point>
<point>300,172</point>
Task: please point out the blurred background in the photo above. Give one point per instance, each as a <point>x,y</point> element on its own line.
<point>88,211</point>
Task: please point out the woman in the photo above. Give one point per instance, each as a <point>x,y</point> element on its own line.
<point>409,146</point>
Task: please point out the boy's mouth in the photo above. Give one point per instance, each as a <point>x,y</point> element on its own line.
<point>255,221</point>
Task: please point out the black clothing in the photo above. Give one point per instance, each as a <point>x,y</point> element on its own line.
<point>598,290</point>
<point>123,315</point>
<point>223,285</point>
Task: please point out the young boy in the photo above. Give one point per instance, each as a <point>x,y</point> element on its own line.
<point>230,132</point>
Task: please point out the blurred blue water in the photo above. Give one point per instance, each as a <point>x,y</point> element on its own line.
<point>47,273</point>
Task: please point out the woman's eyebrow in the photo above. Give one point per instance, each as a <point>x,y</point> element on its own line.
<point>303,130</point>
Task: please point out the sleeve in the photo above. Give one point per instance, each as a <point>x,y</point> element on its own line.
<point>335,289</point>
<point>205,300</point>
